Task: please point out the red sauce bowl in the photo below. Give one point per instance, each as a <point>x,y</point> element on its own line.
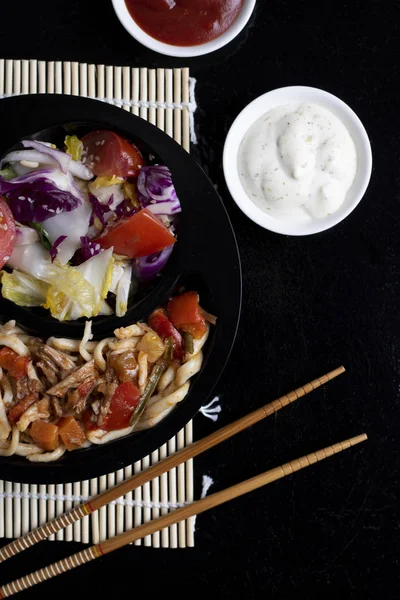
<point>175,48</point>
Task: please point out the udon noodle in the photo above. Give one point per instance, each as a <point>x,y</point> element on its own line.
<point>72,383</point>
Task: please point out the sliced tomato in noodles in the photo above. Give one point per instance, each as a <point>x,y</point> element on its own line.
<point>123,403</point>
<point>107,154</point>
<point>159,321</point>
<point>185,313</point>
<point>7,232</point>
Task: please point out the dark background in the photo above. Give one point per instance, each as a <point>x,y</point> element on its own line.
<point>309,305</point>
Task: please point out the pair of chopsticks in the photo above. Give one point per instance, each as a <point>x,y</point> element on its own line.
<point>180,514</point>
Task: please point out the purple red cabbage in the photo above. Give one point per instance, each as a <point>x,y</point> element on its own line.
<point>125,209</point>
<point>54,248</point>
<point>147,268</point>
<point>156,190</point>
<point>86,251</point>
<point>98,210</point>
<point>34,197</point>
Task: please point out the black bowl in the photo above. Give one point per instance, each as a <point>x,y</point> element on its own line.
<point>205,258</point>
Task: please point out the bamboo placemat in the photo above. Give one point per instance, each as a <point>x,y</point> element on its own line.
<point>165,97</point>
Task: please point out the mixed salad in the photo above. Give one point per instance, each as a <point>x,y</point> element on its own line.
<point>82,226</point>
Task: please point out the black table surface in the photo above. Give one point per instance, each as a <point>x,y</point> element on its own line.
<point>309,305</point>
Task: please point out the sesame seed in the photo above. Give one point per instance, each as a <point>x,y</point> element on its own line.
<point>97,143</point>
<point>5,226</point>
<point>21,197</point>
<point>6,258</point>
<point>97,158</point>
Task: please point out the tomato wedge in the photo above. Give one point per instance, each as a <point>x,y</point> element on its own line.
<point>123,403</point>
<point>141,234</point>
<point>185,313</point>
<point>162,325</point>
<point>106,154</point>
<point>7,232</point>
<point>17,366</point>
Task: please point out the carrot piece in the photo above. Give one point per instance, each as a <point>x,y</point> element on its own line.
<point>71,433</point>
<point>44,435</point>
<point>18,410</point>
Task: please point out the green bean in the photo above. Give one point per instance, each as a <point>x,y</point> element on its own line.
<point>188,342</point>
<point>169,348</point>
<point>151,385</point>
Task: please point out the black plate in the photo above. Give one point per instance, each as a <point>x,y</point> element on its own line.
<point>205,258</point>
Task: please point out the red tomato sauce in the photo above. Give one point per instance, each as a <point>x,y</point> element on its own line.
<point>184,22</point>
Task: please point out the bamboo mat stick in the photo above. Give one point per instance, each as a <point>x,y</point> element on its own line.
<point>69,531</point>
<point>94,490</point>
<point>17,77</point>
<point>33,512</point>
<point>60,509</point>
<point>164,496</point>
<point>51,508</point>
<point>17,510</point>
<point>50,77</point>
<point>168,464</point>
<point>25,510</point>
<point>83,79</point>
<point>185,111</point>
<point>185,512</point>
<point>9,524</point>
<point>189,485</point>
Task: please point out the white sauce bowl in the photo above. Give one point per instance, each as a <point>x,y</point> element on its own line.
<point>183,51</point>
<point>300,95</point>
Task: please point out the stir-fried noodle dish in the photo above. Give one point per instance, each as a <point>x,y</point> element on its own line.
<point>60,395</point>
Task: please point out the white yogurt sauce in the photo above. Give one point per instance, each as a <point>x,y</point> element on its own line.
<point>297,162</point>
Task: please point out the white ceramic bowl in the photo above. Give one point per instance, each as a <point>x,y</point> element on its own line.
<point>279,97</point>
<point>183,51</point>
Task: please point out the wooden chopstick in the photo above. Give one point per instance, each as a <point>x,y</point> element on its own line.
<point>44,531</point>
<point>85,556</point>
